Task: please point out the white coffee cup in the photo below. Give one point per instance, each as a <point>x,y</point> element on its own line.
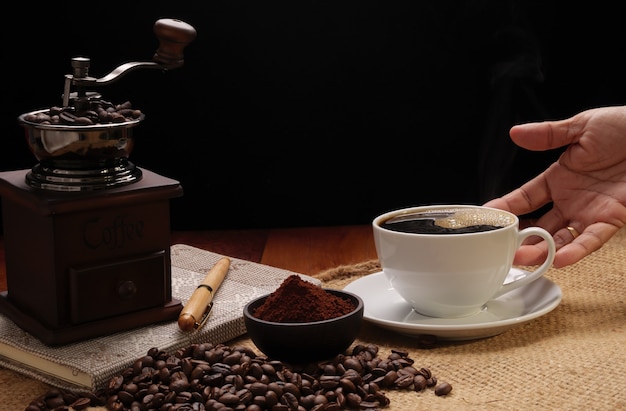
<point>453,274</point>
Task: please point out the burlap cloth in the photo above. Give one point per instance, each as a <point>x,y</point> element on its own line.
<point>573,358</point>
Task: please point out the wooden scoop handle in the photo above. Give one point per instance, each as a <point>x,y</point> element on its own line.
<point>174,35</point>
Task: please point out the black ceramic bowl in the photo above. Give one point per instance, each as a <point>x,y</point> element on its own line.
<point>304,341</point>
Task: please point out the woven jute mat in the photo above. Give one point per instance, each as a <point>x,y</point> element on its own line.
<point>573,358</point>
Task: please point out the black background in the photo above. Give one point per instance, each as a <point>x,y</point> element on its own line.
<point>308,113</point>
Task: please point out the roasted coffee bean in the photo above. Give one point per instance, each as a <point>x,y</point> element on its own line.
<point>221,368</point>
<point>199,371</point>
<point>290,400</point>
<point>83,121</point>
<point>232,358</point>
<point>404,381</point>
<point>99,112</point>
<point>228,399</point>
<point>217,377</point>
<point>389,379</point>
<point>269,369</point>
<point>271,399</point>
<point>80,404</point>
<point>377,371</point>
<point>419,382</point>
<point>353,363</point>
<point>245,396</point>
<point>431,382</point>
<point>369,405</point>
<point>255,370</point>
<point>276,388</point>
<point>153,352</point>
<point>425,372</point>
<point>382,399</point>
<point>125,397</point>
<point>347,385</point>
<point>443,389</point>
<point>292,389</point>
<point>329,382</point>
<point>67,117</point>
<point>179,385</point>
<point>116,383</point>
<point>353,400</point>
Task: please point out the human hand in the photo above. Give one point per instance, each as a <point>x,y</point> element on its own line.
<point>587,185</point>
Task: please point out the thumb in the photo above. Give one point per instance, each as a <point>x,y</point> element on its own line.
<point>545,135</point>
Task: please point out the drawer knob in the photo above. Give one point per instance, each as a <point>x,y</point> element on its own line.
<point>126,290</point>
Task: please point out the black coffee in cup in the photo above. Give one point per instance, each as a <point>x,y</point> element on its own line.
<point>448,221</point>
<point>429,227</point>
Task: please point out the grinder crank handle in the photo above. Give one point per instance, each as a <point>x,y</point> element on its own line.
<point>174,35</point>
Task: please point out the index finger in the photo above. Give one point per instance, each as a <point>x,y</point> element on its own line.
<point>529,197</point>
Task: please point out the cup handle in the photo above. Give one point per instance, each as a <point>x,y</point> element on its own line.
<point>530,276</point>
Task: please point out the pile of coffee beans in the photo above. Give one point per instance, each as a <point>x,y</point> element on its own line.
<point>99,112</point>
<point>218,377</point>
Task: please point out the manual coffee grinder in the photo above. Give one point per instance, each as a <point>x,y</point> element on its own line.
<point>87,234</point>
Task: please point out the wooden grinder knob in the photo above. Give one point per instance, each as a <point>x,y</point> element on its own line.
<point>174,35</point>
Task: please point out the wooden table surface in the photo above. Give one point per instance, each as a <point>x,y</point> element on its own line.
<point>307,250</point>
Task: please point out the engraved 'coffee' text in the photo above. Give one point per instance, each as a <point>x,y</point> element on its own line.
<point>112,234</point>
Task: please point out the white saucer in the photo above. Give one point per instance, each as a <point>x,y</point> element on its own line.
<point>385,308</point>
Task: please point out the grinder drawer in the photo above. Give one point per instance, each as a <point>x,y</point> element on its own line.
<point>118,287</point>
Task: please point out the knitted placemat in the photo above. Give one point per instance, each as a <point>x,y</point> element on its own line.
<point>572,358</point>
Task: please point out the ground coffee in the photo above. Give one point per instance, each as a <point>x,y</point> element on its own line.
<point>297,301</point>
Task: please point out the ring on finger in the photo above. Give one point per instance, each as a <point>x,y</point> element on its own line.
<point>573,231</point>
